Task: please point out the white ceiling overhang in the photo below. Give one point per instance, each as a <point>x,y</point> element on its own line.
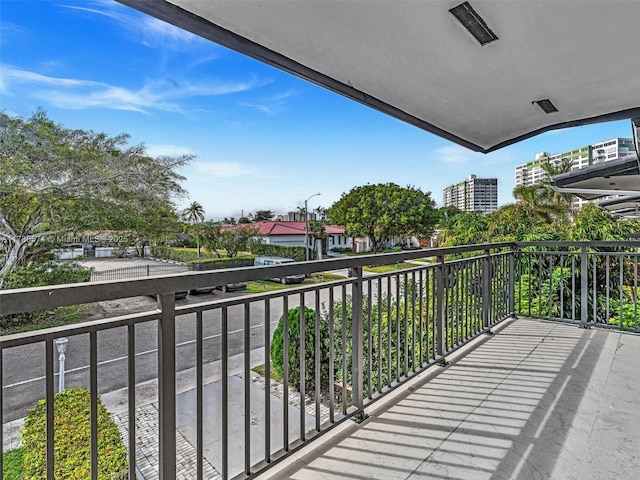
<point>413,60</point>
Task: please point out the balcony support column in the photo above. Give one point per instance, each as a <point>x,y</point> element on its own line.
<point>167,385</point>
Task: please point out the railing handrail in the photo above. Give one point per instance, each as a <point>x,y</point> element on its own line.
<point>38,298</point>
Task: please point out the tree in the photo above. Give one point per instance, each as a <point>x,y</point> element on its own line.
<point>194,214</point>
<point>262,215</point>
<point>237,239</point>
<point>56,182</point>
<point>211,235</point>
<point>384,211</point>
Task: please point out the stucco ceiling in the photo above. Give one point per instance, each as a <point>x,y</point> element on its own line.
<point>413,60</point>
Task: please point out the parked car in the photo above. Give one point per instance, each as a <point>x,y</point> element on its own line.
<point>229,287</point>
<point>265,261</point>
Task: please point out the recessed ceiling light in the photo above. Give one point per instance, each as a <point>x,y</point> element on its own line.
<point>473,22</point>
<point>546,105</point>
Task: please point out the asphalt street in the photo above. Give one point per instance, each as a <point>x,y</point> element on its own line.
<point>24,366</point>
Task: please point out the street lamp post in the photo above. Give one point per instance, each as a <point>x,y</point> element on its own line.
<point>61,346</point>
<point>306,227</point>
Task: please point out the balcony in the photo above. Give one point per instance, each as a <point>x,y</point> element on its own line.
<point>484,363</point>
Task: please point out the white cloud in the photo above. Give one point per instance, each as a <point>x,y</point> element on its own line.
<point>157,150</point>
<point>226,169</point>
<point>271,104</point>
<point>71,93</point>
<point>148,30</point>
<point>457,155</point>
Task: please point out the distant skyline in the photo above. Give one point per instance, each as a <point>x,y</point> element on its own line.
<point>264,140</point>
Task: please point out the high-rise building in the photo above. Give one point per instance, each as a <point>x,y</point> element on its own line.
<point>472,195</point>
<point>532,173</point>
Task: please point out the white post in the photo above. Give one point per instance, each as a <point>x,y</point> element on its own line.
<point>306,227</point>
<point>61,346</point>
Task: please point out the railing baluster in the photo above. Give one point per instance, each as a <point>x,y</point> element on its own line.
<point>131,397</point>
<point>1,413</point>
<point>405,333</point>
<point>317,359</point>
<point>608,287</point>
<point>50,408</point>
<point>267,380</point>
<point>224,400</point>
<point>369,356</point>
<point>302,360</point>
<point>93,390</point>
<point>584,286</point>
<point>199,398</point>
<point>440,309</point>
<point>357,340</point>
<point>332,395</point>
<point>389,334</point>
<point>379,300</point>
<point>620,289</point>
<point>247,387</point>
<point>167,385</point>
<point>285,373</point>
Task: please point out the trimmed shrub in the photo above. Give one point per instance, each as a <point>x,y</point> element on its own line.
<point>72,440</point>
<point>223,262</point>
<point>174,254</point>
<point>293,354</point>
<point>265,249</point>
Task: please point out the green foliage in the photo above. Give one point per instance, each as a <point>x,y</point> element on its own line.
<point>342,249</point>
<point>293,353</point>
<point>174,254</point>
<point>72,439</point>
<point>384,211</point>
<point>57,180</point>
<point>47,274</point>
<point>219,263</point>
<point>261,215</point>
<point>270,250</point>
<point>37,276</point>
<point>593,223</point>
<point>12,462</point>
<point>237,239</point>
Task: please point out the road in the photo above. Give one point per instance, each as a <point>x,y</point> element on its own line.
<point>24,367</point>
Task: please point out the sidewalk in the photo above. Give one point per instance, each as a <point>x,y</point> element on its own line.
<point>147,450</point>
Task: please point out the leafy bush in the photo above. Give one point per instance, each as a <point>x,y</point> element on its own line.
<point>12,462</point>
<point>72,439</point>
<point>174,254</point>
<point>223,262</point>
<point>293,354</point>
<point>265,249</point>
<point>38,275</point>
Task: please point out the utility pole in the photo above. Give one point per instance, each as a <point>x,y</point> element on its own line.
<point>306,227</point>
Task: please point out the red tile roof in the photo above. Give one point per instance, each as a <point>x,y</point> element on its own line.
<point>268,227</point>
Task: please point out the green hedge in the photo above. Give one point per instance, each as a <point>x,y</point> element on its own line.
<point>176,255</point>
<point>266,249</point>
<point>46,274</point>
<point>72,440</point>
<point>223,262</point>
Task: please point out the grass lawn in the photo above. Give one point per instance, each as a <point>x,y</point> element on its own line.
<point>61,316</point>
<point>390,268</point>
<point>260,370</point>
<point>262,286</point>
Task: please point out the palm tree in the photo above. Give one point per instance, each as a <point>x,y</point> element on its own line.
<point>194,214</point>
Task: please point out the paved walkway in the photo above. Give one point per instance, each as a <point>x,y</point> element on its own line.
<point>539,400</point>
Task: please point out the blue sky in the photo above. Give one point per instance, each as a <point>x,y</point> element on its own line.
<point>263,139</point>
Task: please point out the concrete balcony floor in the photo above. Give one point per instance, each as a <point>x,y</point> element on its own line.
<point>537,400</point>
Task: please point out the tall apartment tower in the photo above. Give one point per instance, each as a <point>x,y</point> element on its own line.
<point>472,195</point>
<point>531,173</point>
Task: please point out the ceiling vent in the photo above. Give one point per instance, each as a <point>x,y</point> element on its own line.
<point>473,22</point>
<point>546,105</point>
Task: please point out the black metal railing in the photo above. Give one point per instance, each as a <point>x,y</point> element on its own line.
<point>348,343</point>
